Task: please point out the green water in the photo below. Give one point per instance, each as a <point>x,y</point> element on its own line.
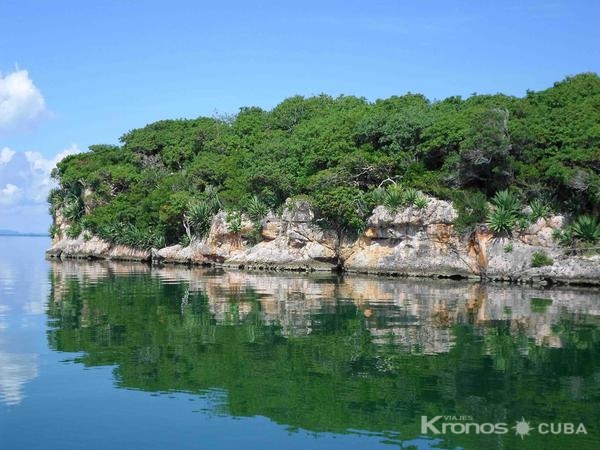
<point>105,355</point>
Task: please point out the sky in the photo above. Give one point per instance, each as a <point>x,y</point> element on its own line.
<point>77,73</point>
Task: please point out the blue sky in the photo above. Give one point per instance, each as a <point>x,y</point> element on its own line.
<point>75,73</point>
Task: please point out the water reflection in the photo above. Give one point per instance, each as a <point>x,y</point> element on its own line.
<point>15,370</point>
<point>338,354</point>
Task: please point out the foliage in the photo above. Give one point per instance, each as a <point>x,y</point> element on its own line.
<point>472,208</point>
<point>255,209</point>
<point>508,248</point>
<point>586,229</point>
<point>53,231</point>
<point>421,202</point>
<point>540,259</point>
<point>501,221</point>
<point>539,209</point>
<point>74,230</point>
<point>507,201</point>
<point>340,152</point>
<point>393,198</point>
<point>234,222</point>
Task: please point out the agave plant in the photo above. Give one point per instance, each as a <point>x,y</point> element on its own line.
<point>234,222</point>
<point>586,229</point>
<point>539,209</point>
<point>502,221</point>
<point>411,196</point>
<point>72,208</point>
<point>507,201</point>
<point>393,199</point>
<point>256,209</point>
<point>378,196</point>
<point>199,215</point>
<point>421,202</point>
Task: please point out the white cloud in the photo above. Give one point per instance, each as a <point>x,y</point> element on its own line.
<point>9,194</point>
<point>22,104</point>
<point>6,155</point>
<point>24,185</point>
<point>39,172</point>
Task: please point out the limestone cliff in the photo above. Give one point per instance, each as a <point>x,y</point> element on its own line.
<point>411,242</point>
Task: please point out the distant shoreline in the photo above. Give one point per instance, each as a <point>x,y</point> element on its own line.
<point>16,234</point>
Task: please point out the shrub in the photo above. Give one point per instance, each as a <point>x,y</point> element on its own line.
<point>540,259</point>
<point>508,248</point>
<point>185,240</point>
<point>411,196</point>
<point>199,215</point>
<point>53,231</point>
<point>72,208</point>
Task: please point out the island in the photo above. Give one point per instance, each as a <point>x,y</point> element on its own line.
<point>492,186</point>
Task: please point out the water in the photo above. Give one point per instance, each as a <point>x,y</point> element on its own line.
<point>103,355</point>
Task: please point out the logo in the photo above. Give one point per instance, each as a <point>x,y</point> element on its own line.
<point>465,425</point>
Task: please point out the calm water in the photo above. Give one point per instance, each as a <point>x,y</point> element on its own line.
<point>117,356</point>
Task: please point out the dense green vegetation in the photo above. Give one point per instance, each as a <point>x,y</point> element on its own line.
<point>346,154</point>
<point>348,373</point>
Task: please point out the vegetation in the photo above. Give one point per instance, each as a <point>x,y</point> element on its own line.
<point>540,259</point>
<point>346,155</point>
<point>586,229</point>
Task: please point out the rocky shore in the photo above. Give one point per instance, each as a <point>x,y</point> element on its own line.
<point>411,242</point>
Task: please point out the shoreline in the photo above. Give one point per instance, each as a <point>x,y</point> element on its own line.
<point>410,243</point>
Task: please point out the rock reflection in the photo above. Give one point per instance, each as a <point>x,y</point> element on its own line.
<point>416,315</point>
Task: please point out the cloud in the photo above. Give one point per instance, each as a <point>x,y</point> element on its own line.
<point>24,185</point>
<point>22,104</point>
<point>9,194</point>
<point>6,155</point>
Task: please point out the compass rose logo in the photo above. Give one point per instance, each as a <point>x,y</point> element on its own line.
<point>522,428</point>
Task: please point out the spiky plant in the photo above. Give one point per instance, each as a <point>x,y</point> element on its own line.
<point>393,198</point>
<point>256,209</point>
<point>586,229</point>
<point>421,202</point>
<point>199,214</point>
<point>378,196</point>
<point>72,208</point>
<point>507,201</point>
<point>540,259</point>
<point>234,222</point>
<point>502,221</point>
<point>411,196</point>
<point>539,209</point>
